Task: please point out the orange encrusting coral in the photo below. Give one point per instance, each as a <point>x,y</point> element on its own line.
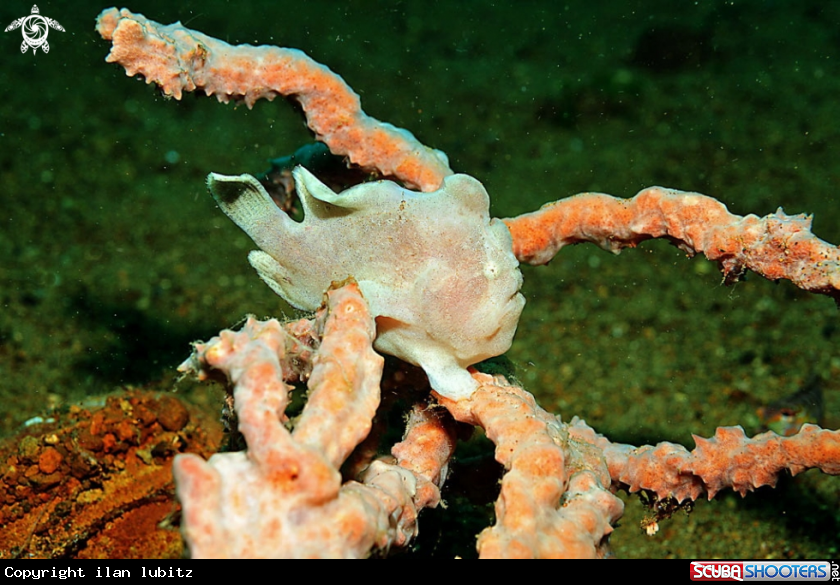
<point>96,481</point>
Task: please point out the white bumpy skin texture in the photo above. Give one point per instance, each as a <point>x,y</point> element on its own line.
<point>438,273</point>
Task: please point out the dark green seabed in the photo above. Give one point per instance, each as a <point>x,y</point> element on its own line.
<point>113,257</point>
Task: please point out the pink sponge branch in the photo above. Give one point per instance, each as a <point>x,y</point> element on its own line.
<point>182,60</point>
<point>344,384</point>
<point>776,246</point>
<point>729,459</point>
<point>318,485</point>
<point>285,497</point>
<point>554,501</point>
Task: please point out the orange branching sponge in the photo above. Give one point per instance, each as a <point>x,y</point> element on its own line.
<point>776,246</point>
<point>284,497</point>
<point>729,459</point>
<point>555,500</point>
<point>182,60</point>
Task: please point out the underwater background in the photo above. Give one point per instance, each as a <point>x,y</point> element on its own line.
<point>113,257</point>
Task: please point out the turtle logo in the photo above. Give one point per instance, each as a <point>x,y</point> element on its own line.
<point>35,29</point>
